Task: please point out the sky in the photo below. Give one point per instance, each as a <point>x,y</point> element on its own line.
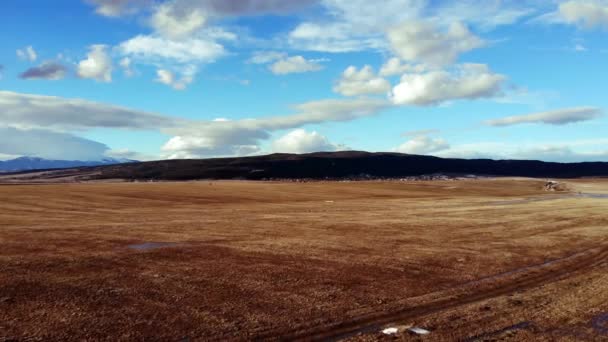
<point>166,79</point>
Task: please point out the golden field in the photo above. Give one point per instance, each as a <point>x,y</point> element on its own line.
<point>486,259</point>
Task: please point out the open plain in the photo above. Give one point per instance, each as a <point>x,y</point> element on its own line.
<point>484,259</point>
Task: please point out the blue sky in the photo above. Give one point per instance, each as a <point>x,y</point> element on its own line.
<point>152,79</point>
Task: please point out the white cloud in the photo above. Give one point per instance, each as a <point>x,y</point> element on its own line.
<point>116,8</point>
<point>467,81</point>
<point>125,153</point>
<point>167,77</point>
<point>486,15</point>
<point>157,50</point>
<point>38,111</point>
<point>175,22</point>
<point>283,64</point>
<point>301,141</point>
<point>394,66</point>
<point>359,82</point>
<point>188,147</point>
<point>47,144</point>
<point>46,71</point>
<point>240,137</point>
<point>190,138</point>
<point>125,64</point>
<point>265,57</point>
<point>184,56</point>
<point>28,53</point>
<point>97,65</point>
<point>332,37</point>
<point>423,144</point>
<point>583,13</point>
<point>569,151</point>
<point>294,64</point>
<point>179,19</point>
<point>353,25</point>
<point>425,42</point>
<point>555,117</point>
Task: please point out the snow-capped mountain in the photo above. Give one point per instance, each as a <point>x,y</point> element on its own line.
<point>34,163</point>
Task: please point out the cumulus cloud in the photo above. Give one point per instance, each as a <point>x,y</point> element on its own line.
<point>241,137</point>
<point>295,64</point>
<point>555,117</point>
<point>184,56</point>
<point>38,111</point>
<point>207,143</point>
<point>425,42</point>
<point>359,82</point>
<point>179,19</point>
<point>486,15</point>
<point>423,144</point>
<point>331,37</point>
<point>395,66</point>
<point>282,64</point>
<point>353,25</point>
<point>254,7</point>
<point>190,138</point>
<point>175,22</point>
<point>467,81</point>
<point>301,141</point>
<point>48,144</point>
<point>570,151</point>
<point>167,77</point>
<point>127,154</point>
<point>97,65</point>
<point>28,53</point>
<point>46,71</point>
<point>125,64</point>
<point>155,50</point>
<point>265,57</point>
<point>583,13</point>
<point>116,8</point>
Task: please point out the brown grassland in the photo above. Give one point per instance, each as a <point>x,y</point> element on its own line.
<point>466,260</point>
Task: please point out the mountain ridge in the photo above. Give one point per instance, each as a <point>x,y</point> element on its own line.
<point>27,163</point>
<point>325,165</point>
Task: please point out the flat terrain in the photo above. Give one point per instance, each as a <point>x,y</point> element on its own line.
<point>498,259</point>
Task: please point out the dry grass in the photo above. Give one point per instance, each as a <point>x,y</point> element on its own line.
<point>285,259</point>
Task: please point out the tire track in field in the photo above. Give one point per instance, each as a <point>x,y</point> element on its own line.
<point>468,293</point>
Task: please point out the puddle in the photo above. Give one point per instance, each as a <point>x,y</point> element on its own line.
<point>551,198</point>
<point>151,245</point>
<point>601,196</point>
<point>600,323</point>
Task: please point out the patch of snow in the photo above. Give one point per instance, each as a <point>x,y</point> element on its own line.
<point>419,331</point>
<point>390,331</point>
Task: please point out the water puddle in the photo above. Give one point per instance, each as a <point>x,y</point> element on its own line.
<point>551,198</point>
<point>151,245</point>
<point>600,196</point>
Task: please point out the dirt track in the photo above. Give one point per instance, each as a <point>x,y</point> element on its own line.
<point>243,260</point>
<point>502,284</point>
